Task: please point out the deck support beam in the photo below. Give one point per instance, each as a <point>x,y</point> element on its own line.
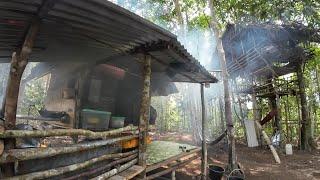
<point>144,113</point>
<point>204,158</point>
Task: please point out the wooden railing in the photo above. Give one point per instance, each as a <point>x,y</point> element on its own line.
<point>106,138</point>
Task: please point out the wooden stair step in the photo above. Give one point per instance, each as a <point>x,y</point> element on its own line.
<point>128,174</point>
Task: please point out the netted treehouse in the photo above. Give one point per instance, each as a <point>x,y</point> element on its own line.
<point>266,62</point>
<point>100,57</point>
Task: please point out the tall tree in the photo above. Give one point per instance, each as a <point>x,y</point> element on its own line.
<point>228,112</point>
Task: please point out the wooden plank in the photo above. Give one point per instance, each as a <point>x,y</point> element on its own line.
<point>252,139</point>
<point>175,166</point>
<point>174,158</point>
<point>129,173</point>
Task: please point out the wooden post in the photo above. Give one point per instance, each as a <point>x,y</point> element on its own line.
<point>204,160</point>
<point>19,61</point>
<point>173,175</point>
<point>306,138</point>
<point>256,113</point>
<point>274,104</point>
<point>144,113</point>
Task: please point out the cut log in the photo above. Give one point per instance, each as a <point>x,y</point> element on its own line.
<point>116,170</point>
<point>13,155</point>
<point>64,132</point>
<point>70,168</point>
<point>87,174</point>
<point>267,139</point>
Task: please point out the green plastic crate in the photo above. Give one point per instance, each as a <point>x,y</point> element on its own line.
<point>95,120</point>
<point>117,122</point>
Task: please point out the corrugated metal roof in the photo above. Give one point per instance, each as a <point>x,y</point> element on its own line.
<point>91,30</point>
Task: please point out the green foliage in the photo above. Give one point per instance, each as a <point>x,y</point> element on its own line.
<point>201,21</point>
<point>33,99</point>
<point>248,11</point>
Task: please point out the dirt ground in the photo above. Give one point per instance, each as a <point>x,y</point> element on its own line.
<point>257,163</point>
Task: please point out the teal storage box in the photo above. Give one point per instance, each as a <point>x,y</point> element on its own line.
<point>95,120</point>
<point>117,122</point>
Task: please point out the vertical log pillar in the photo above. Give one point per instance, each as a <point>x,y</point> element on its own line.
<point>144,113</point>
<point>306,138</point>
<point>18,63</point>
<point>204,160</point>
<point>255,113</point>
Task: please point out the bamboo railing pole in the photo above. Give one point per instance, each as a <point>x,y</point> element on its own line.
<point>66,169</point>
<point>13,155</point>
<point>116,170</point>
<point>87,174</point>
<point>63,132</point>
<point>267,139</point>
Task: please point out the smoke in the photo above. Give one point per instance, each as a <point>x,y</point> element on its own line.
<point>4,74</point>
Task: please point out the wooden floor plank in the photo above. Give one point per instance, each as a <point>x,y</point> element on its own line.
<point>128,174</point>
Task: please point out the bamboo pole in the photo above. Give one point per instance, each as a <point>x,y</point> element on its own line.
<point>66,169</point>
<point>13,155</point>
<point>63,132</point>
<point>144,114</point>
<point>267,139</point>
<point>87,174</point>
<point>116,170</point>
<point>204,158</point>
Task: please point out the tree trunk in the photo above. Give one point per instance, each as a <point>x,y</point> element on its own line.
<point>228,112</point>
<point>306,138</point>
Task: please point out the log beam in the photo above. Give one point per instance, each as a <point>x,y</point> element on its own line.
<point>64,132</point>
<point>116,170</point>
<point>204,158</point>
<point>19,62</point>
<point>14,155</point>
<point>144,113</point>
<point>71,168</point>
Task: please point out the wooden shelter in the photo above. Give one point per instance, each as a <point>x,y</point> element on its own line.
<point>74,36</point>
<point>261,53</point>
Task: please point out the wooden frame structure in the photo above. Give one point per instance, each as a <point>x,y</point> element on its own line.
<point>63,27</point>
<point>264,52</point>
